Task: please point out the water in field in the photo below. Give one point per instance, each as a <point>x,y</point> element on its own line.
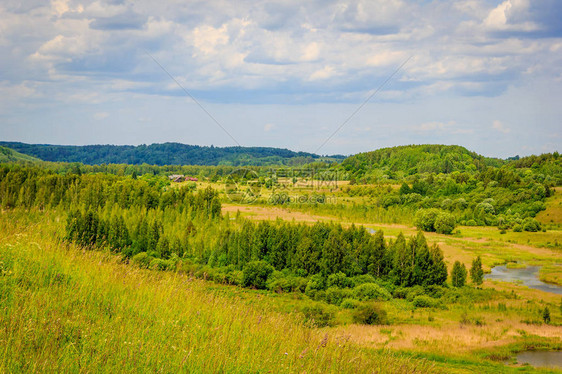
<point>552,359</point>
<point>528,276</point>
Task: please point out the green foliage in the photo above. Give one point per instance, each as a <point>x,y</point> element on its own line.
<point>425,219</point>
<point>476,272</point>
<point>371,291</point>
<point>318,315</point>
<point>458,275</point>
<point>255,274</point>
<point>164,154</point>
<point>350,303</point>
<point>370,314</point>
<point>546,315</point>
<point>445,223</point>
<point>424,301</point>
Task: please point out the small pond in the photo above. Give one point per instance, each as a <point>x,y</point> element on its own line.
<point>552,359</point>
<point>528,276</point>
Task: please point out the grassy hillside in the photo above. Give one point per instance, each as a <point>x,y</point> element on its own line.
<point>9,155</point>
<point>412,159</point>
<point>164,154</point>
<point>63,309</point>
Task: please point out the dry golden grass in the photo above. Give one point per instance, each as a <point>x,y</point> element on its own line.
<point>553,212</point>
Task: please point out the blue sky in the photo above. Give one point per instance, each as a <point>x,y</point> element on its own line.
<point>483,74</point>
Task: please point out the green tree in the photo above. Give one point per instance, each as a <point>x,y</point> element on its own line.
<point>546,315</point>
<point>255,274</point>
<point>476,272</point>
<point>458,275</point>
<point>444,223</point>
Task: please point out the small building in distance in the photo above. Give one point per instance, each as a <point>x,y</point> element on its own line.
<point>191,179</point>
<point>176,178</point>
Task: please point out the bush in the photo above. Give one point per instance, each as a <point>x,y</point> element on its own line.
<point>445,223</point>
<point>414,291</point>
<point>471,222</point>
<point>142,260</point>
<point>370,314</point>
<point>335,295</point>
<point>400,292</point>
<point>255,274</point>
<point>424,301</point>
<point>350,303</point>
<point>531,224</point>
<point>160,264</point>
<point>517,228</point>
<point>339,280</point>
<point>362,279</point>
<point>371,291</point>
<point>425,219</point>
<point>315,283</point>
<point>318,315</point>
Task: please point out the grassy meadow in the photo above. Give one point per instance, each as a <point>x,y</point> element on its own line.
<point>66,309</point>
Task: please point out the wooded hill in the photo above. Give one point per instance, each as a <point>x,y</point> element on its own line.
<point>165,154</point>
<point>397,162</point>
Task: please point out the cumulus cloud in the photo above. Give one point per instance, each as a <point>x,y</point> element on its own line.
<point>285,53</point>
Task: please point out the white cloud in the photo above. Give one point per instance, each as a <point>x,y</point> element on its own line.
<point>499,126</point>
<point>268,127</point>
<point>324,73</point>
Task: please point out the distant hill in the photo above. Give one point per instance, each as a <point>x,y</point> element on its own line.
<point>413,159</point>
<point>9,155</point>
<point>165,154</point>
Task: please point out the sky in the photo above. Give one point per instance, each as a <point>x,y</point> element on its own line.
<point>330,77</point>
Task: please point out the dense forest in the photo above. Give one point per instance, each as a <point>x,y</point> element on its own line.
<point>402,161</point>
<point>164,154</point>
<point>171,228</point>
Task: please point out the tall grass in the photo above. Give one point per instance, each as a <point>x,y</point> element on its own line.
<point>63,309</point>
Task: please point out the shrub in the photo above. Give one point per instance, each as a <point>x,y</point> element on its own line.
<point>471,222</point>
<point>160,264</point>
<point>424,301</point>
<point>339,280</point>
<point>335,295</point>
<point>445,223</point>
<point>370,314</point>
<point>371,291</point>
<point>531,224</point>
<point>425,219</point>
<point>255,274</point>
<point>400,292</point>
<point>518,228</point>
<point>362,279</point>
<point>315,284</point>
<point>414,291</point>
<point>142,259</point>
<point>318,315</point>
<point>350,303</point>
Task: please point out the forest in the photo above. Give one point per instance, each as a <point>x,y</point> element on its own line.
<point>164,154</point>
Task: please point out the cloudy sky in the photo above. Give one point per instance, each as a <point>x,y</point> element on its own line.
<point>484,74</point>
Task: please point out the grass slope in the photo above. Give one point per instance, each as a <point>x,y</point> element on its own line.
<point>9,155</point>
<point>63,309</point>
